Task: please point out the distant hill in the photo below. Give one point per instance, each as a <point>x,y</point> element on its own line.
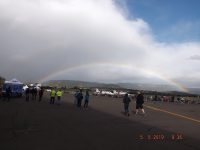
<point>194,90</point>
<point>148,87</point>
<point>136,86</point>
<point>120,86</point>
<point>72,83</point>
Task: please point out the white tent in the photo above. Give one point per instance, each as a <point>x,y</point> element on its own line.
<point>13,81</point>
<point>15,85</point>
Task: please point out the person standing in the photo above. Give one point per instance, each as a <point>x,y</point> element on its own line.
<point>75,98</point>
<point>126,101</point>
<point>52,94</point>
<point>32,93</point>
<point>41,92</point>
<point>0,92</point>
<point>79,98</point>
<point>8,93</point>
<point>87,95</point>
<point>35,93</point>
<point>27,94</point>
<point>139,103</point>
<point>59,95</point>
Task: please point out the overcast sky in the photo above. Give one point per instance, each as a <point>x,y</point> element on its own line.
<point>100,40</point>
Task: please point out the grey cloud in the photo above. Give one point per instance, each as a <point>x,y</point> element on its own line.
<point>43,38</point>
<point>195,57</point>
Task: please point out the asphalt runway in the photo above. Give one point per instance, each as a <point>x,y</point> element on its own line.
<point>37,125</point>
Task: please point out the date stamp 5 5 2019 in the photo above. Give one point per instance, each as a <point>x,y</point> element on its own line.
<point>161,137</point>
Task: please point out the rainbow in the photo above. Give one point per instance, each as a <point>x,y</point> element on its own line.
<point>150,73</point>
<point>168,80</point>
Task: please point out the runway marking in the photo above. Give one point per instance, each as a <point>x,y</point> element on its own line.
<point>174,114</point>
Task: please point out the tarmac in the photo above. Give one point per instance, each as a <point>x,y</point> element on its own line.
<point>37,125</point>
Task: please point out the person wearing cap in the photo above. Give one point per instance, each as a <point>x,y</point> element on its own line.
<point>139,103</point>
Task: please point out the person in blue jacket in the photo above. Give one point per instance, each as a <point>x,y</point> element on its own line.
<point>79,99</point>
<point>87,95</point>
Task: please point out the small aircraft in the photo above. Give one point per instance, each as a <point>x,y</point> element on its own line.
<point>121,93</point>
<point>97,92</point>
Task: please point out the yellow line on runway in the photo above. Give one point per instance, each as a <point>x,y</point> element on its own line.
<point>171,113</point>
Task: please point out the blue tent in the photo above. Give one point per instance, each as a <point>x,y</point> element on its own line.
<point>15,85</point>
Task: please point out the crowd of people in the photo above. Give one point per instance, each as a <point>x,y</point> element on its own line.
<point>31,93</point>
<point>56,95</point>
